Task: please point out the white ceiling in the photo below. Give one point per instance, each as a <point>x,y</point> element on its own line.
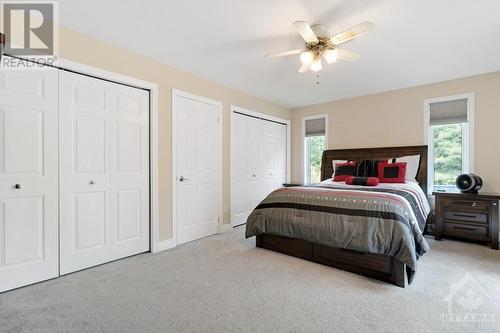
<point>414,41</point>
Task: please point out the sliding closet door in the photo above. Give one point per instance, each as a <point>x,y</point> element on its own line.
<point>273,156</point>
<point>104,149</point>
<point>246,170</point>
<point>28,177</point>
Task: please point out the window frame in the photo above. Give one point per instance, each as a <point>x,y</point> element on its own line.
<point>467,136</point>
<point>303,136</point>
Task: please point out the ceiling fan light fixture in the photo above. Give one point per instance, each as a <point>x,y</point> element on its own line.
<point>330,55</point>
<point>307,57</point>
<point>316,65</point>
<point>320,45</point>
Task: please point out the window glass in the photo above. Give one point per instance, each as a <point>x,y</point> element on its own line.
<point>448,155</point>
<point>314,152</point>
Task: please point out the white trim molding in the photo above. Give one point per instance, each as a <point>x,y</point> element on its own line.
<point>226,228</point>
<point>175,95</point>
<point>302,137</point>
<point>468,132</point>
<point>166,245</point>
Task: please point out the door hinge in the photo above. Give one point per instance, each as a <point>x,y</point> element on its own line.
<point>218,120</point>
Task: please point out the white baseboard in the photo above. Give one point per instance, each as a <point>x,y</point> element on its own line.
<point>170,243</point>
<point>165,245</point>
<point>225,228</point>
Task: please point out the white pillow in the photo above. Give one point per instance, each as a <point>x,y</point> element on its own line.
<point>412,164</point>
<point>335,162</point>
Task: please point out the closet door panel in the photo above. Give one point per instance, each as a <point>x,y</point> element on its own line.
<point>246,177</point>
<point>258,163</point>
<point>240,174</point>
<point>254,151</point>
<point>104,171</point>
<point>130,169</point>
<point>274,156</point>
<point>28,177</point>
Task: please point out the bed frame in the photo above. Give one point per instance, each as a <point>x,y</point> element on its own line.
<point>380,267</point>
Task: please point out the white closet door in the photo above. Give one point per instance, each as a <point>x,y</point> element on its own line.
<point>198,183</point>
<point>258,163</point>
<point>28,177</point>
<point>246,170</point>
<point>273,156</point>
<point>104,163</point>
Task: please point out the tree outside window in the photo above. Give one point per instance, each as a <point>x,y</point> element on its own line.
<point>314,152</point>
<point>448,155</point>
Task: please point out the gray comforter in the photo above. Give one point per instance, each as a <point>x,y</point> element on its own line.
<point>379,221</point>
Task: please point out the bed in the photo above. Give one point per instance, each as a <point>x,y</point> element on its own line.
<point>372,231</point>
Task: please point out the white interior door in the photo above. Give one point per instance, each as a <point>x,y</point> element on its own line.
<point>246,170</point>
<point>197,164</point>
<point>273,156</point>
<point>104,163</point>
<point>258,163</point>
<point>28,177</point>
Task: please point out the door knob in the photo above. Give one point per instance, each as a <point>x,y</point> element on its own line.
<point>92,182</point>
<point>17,186</point>
<point>254,176</point>
<point>181,178</point>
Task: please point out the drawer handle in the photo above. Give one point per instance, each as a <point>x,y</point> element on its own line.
<point>464,203</point>
<point>464,228</point>
<point>465,215</point>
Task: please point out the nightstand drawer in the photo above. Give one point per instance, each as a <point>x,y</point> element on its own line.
<point>461,204</point>
<point>471,217</point>
<point>474,232</point>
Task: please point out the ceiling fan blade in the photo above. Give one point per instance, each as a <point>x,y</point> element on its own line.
<point>351,33</point>
<point>303,68</point>
<point>305,30</point>
<point>284,54</point>
<point>347,55</point>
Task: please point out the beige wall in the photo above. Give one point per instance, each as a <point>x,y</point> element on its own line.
<point>86,50</point>
<point>396,119</point>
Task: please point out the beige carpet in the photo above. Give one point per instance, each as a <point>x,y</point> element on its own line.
<point>224,284</point>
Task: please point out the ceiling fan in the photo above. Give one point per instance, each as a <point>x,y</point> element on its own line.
<point>319,45</point>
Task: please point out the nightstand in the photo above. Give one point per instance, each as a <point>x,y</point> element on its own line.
<point>467,216</point>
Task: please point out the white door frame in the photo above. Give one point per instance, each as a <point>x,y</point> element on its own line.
<point>176,94</point>
<point>303,135</point>
<point>99,73</point>
<point>287,122</point>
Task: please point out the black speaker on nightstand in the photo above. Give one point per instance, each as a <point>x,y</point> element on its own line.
<point>469,183</point>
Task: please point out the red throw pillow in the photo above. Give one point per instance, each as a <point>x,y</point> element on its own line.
<point>392,173</point>
<point>344,170</point>
<point>364,181</point>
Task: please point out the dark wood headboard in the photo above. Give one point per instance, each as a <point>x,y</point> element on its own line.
<point>375,154</point>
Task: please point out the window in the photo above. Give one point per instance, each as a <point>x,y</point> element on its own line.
<point>314,129</point>
<point>448,132</point>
